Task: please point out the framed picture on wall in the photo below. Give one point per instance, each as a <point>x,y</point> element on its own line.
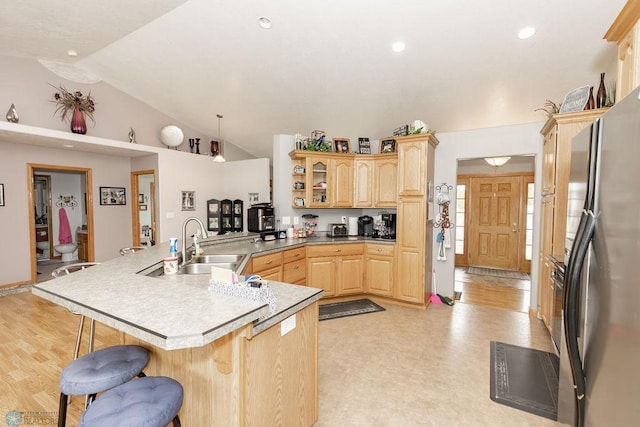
<point>140,198</point>
<point>143,207</point>
<point>113,196</point>
<point>188,200</point>
<point>1,194</point>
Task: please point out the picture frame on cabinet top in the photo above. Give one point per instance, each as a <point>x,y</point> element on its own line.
<point>388,146</point>
<point>341,145</point>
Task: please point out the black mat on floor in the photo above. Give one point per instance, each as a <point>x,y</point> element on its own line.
<point>525,379</point>
<point>348,308</point>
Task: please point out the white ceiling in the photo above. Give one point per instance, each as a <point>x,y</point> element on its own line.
<point>325,64</point>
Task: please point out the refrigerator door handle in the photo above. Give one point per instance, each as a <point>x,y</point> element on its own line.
<point>572,314</point>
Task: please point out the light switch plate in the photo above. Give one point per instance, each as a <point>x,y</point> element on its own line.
<point>296,220</point>
<point>286,220</point>
<point>287,325</point>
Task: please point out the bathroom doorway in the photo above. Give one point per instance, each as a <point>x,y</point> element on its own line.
<point>143,185</point>
<point>68,188</point>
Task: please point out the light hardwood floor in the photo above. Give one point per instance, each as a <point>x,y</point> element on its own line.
<point>492,291</point>
<point>399,367</point>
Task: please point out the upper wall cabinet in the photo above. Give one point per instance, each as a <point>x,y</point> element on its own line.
<point>335,180</point>
<point>625,32</point>
<point>412,155</point>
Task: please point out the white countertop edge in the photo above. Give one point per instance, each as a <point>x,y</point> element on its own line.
<point>163,342</point>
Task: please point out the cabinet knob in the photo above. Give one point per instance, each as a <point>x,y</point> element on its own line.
<point>269,262</point>
<point>338,250</point>
<point>296,267</point>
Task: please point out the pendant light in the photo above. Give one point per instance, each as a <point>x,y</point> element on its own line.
<point>217,151</point>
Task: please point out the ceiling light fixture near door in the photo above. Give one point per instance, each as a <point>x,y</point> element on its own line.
<point>264,22</point>
<point>398,47</point>
<point>496,162</point>
<point>526,32</point>
<point>216,146</point>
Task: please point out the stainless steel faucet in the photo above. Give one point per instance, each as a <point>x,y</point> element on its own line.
<point>185,259</point>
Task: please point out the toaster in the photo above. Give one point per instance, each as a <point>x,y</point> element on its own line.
<point>337,230</point>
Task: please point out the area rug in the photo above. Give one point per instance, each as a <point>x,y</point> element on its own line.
<point>525,379</point>
<point>348,308</point>
<point>508,274</point>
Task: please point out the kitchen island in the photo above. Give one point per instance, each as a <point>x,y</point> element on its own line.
<point>240,361</point>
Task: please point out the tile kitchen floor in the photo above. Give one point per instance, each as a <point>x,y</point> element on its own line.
<point>400,367</point>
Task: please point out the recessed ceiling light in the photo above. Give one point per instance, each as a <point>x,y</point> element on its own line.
<point>526,32</point>
<point>72,52</point>
<point>264,22</point>
<point>398,47</point>
<point>68,146</point>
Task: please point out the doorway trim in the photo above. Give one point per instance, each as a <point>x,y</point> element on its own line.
<point>31,170</point>
<point>135,206</point>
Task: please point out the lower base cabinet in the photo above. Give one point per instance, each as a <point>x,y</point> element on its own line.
<point>379,273</point>
<point>243,379</point>
<point>337,269</point>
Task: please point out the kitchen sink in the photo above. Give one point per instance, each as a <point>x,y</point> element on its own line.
<point>204,268</point>
<point>216,259</point>
<point>200,264</point>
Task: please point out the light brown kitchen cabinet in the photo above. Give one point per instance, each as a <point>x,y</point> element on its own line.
<point>336,268</point>
<point>363,183</point>
<point>412,170</point>
<point>385,185</point>
<point>625,32</point>
<point>269,266</point>
<point>379,271</point>
<point>318,182</point>
<point>294,267</point>
<point>82,240</point>
<point>414,233</point>
<point>341,177</point>
<point>558,133</point>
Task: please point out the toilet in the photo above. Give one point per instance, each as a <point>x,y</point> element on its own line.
<point>44,247</point>
<point>67,251</point>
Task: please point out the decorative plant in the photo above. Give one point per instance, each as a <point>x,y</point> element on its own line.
<point>315,145</point>
<point>550,108</point>
<point>69,101</point>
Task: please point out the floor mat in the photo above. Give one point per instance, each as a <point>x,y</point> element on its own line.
<point>525,379</point>
<point>348,308</point>
<point>498,273</point>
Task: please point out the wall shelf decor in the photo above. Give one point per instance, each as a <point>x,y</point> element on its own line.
<point>238,222</point>
<point>226,216</point>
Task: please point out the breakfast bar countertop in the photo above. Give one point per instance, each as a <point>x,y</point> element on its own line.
<point>171,311</point>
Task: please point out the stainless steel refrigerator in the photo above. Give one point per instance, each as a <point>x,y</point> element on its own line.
<point>600,348</point>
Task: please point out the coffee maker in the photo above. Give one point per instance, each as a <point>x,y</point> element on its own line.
<point>260,218</point>
<point>365,226</point>
<point>389,220</point>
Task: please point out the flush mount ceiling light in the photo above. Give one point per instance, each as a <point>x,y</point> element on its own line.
<point>526,32</point>
<point>496,161</point>
<point>398,47</point>
<point>264,22</point>
<point>216,146</point>
<point>72,53</point>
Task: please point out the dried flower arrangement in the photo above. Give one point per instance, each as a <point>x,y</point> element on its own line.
<point>550,108</point>
<point>69,101</point>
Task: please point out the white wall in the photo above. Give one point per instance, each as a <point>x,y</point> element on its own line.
<point>499,141</point>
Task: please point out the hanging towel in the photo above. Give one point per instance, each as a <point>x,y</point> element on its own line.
<point>64,232</point>
<point>447,238</point>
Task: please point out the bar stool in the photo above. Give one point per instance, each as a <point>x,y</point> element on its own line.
<point>148,401</point>
<point>100,371</point>
<point>68,269</point>
<point>131,250</point>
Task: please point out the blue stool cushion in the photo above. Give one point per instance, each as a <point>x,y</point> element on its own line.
<point>147,401</point>
<point>103,369</point>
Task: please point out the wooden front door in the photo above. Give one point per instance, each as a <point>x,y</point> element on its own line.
<point>495,216</point>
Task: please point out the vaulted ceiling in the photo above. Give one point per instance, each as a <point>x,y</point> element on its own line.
<point>324,64</point>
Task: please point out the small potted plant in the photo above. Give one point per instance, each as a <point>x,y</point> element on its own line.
<point>78,104</point>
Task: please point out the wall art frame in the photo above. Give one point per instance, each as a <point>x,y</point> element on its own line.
<point>1,194</point>
<point>341,145</point>
<point>188,201</point>
<point>113,196</point>
<point>388,146</point>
